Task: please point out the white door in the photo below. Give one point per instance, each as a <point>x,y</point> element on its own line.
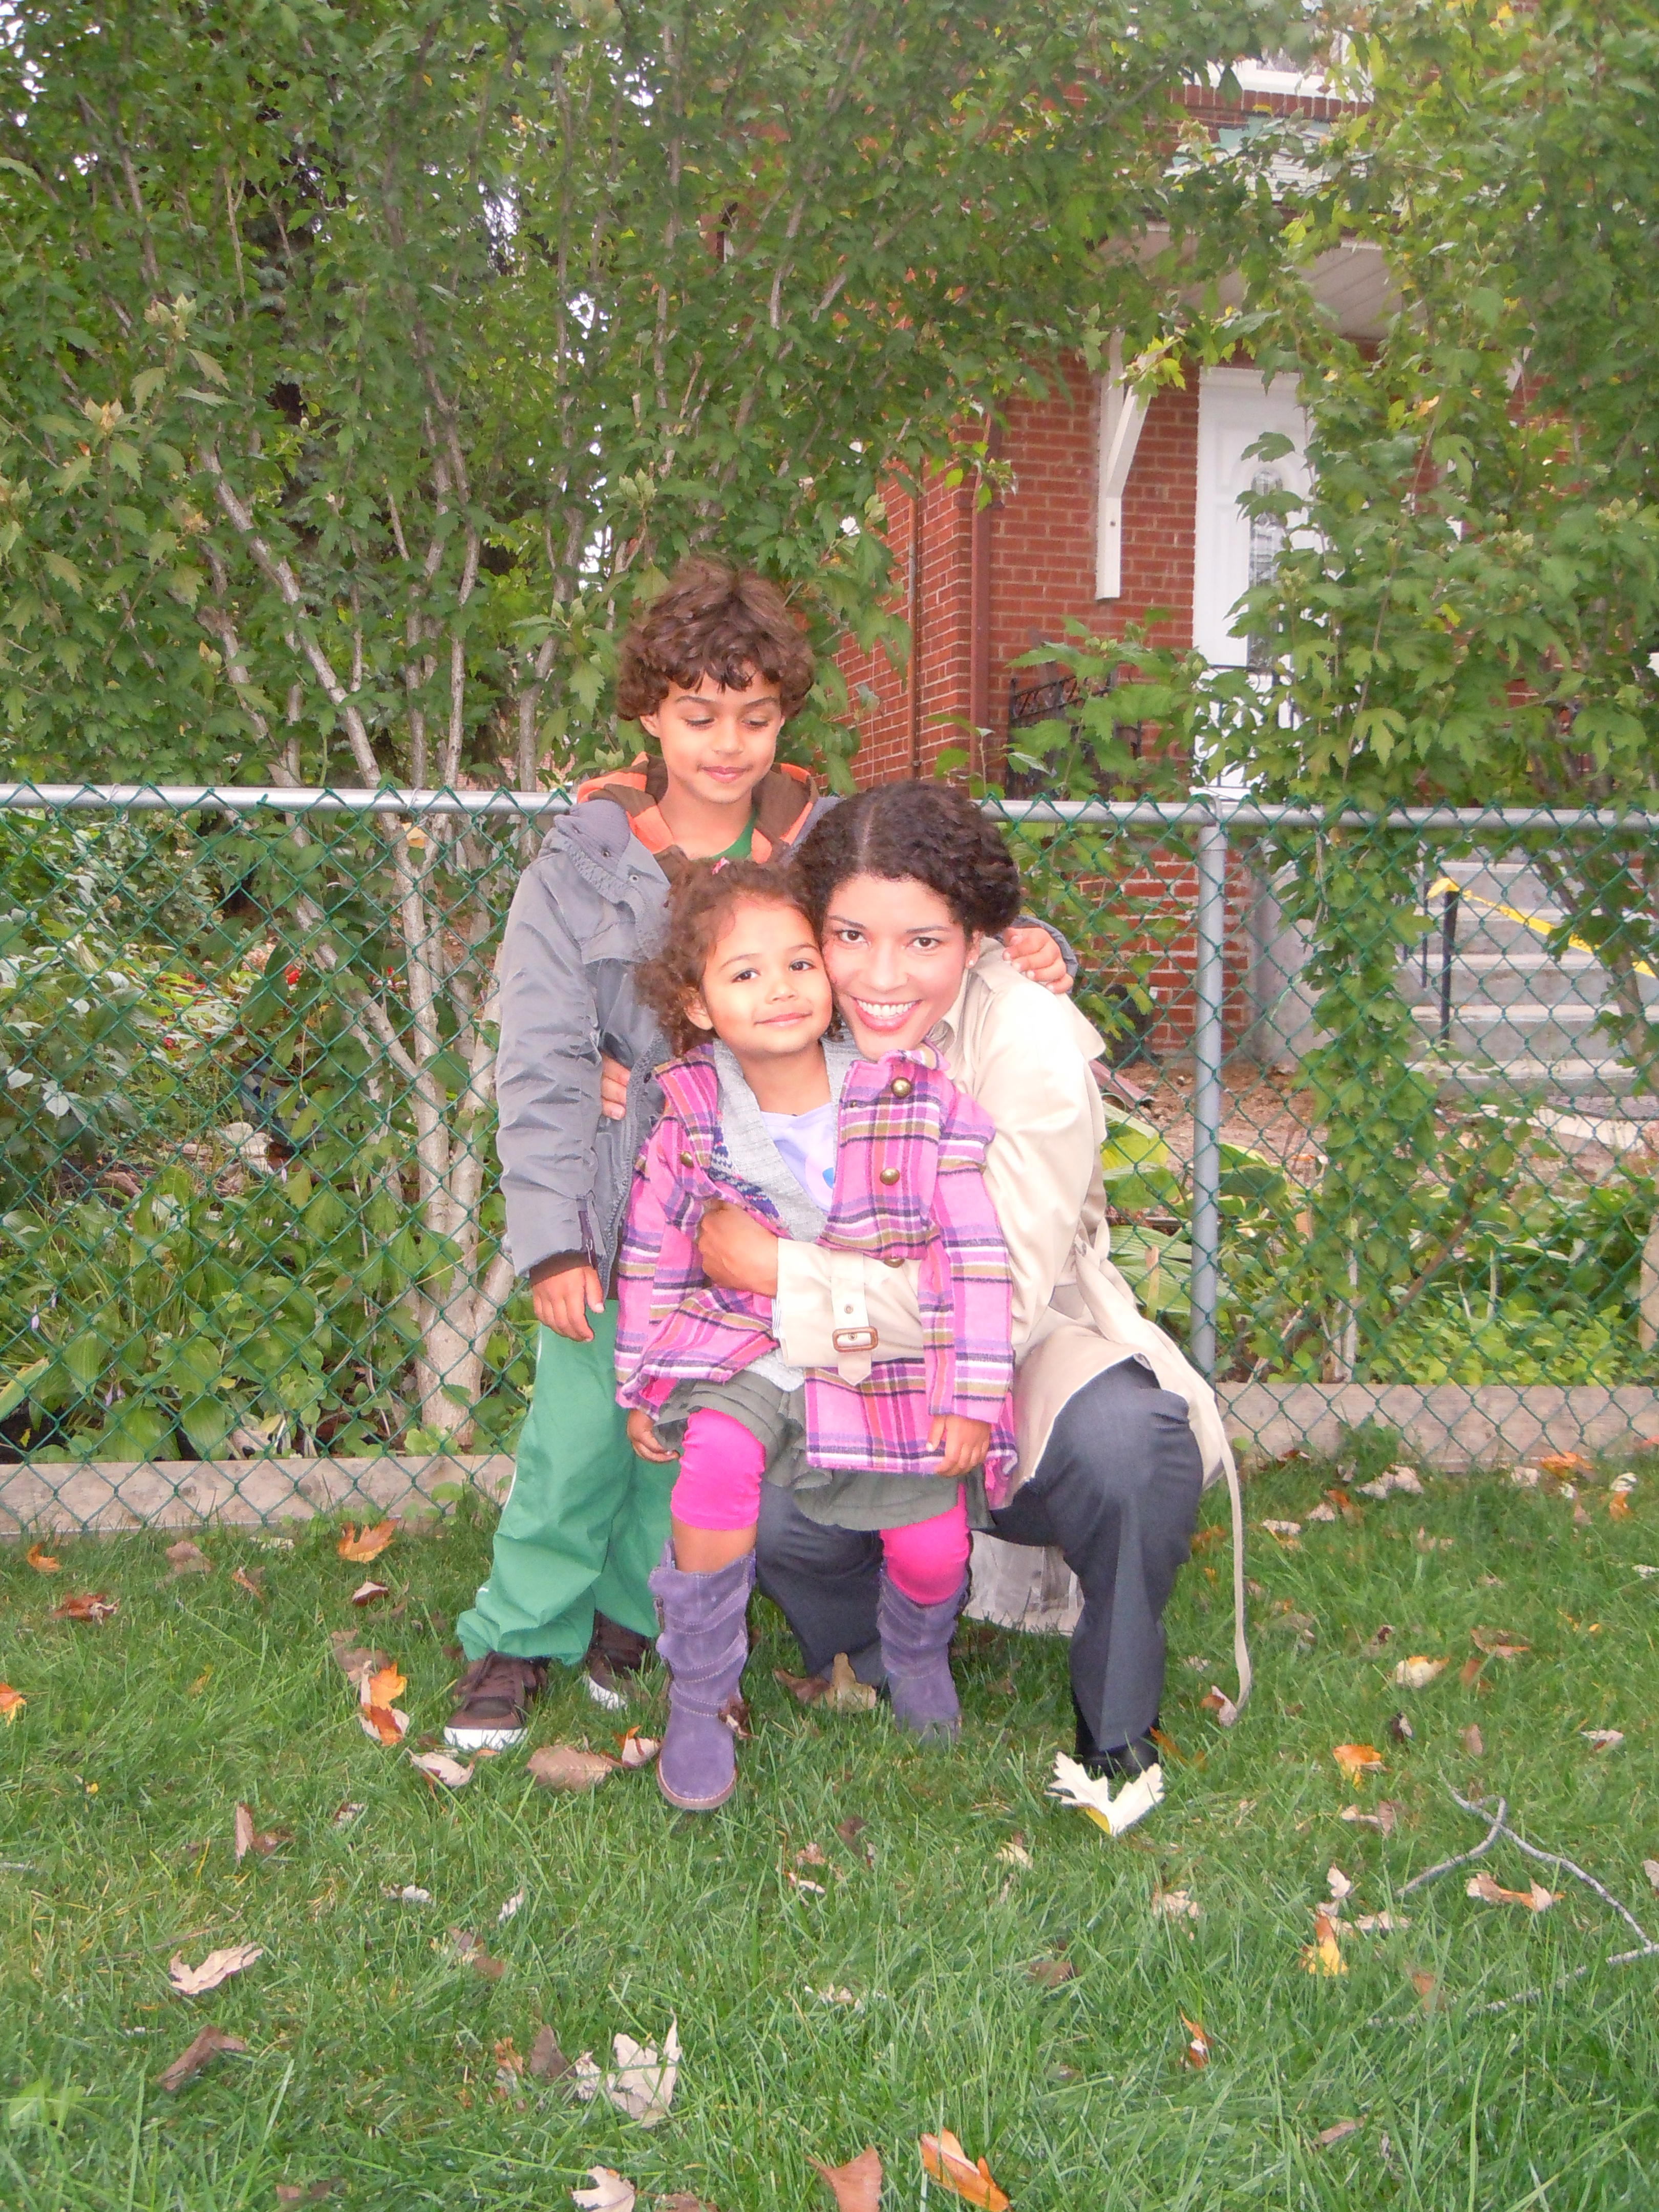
<point>1231,549</point>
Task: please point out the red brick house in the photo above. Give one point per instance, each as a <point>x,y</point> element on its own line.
<point>1110,511</point>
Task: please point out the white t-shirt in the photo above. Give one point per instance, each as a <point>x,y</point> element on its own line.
<point>806,1146</point>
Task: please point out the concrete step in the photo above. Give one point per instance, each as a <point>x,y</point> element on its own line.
<point>1498,979</point>
<point>1579,1077</point>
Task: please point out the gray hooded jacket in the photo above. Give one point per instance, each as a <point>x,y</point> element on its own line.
<point>585,909</point>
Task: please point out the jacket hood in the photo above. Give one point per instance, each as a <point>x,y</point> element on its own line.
<point>784,800</point>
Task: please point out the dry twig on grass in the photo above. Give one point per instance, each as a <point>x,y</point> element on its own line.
<point>1646,1948</point>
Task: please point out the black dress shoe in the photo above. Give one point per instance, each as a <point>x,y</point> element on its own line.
<point>1119,1763</point>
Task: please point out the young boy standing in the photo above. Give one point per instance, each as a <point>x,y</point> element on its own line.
<point>712,671</point>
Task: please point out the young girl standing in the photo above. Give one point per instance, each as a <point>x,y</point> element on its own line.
<point>879,1160</point>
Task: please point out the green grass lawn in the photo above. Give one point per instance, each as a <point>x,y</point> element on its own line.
<point>373,2052</point>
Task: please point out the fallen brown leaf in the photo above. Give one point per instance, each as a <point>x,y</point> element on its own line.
<point>1473,1742</point>
<point>1536,1896</point>
<point>1051,1973</point>
<point>251,1581</point>
<point>1497,1644</point>
<point>638,1750</point>
<point>1379,1636</point>
<point>218,1966</point>
<point>1175,1905</point>
<point>811,1855</point>
<point>1401,1729</point>
<point>563,1766</point>
<point>1324,1955</point>
<point>1650,1868</point>
<point>1603,1739</point>
<point>1417,1672</point>
<point>195,2056</point>
<point>1469,1673</point>
<point>1384,1819</point>
<point>1219,1702</point>
<point>361,1546</point>
<point>12,1703</point>
<point>851,1828</point>
<point>366,1593</point>
<point>846,1693</point>
<point>944,2158</point>
<point>1197,2052</point>
<point>1340,2133</point>
<point>1567,1462</point>
<point>439,1766</point>
<point>86,1605</point>
<point>1427,1988</point>
<point>683,2201</point>
<point>610,2192</point>
<point>1618,1506</point>
<point>250,1839</point>
<point>353,1659</point>
<point>1356,1759</point>
<point>547,2062</point>
<point>346,1812</point>
<point>469,1949</point>
<point>380,1717</point>
<point>295,2193</point>
<point>736,1714</point>
<point>856,2186</point>
<point>187,1558</point>
<point>41,1559</point>
<point>806,1689</point>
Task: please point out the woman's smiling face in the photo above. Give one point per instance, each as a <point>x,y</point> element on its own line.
<point>896,954</point>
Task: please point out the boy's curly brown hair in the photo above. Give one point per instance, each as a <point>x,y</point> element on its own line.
<point>716,620</point>
<point>704,896</point>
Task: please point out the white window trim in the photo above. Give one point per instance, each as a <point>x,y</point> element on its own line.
<point>1122,414</point>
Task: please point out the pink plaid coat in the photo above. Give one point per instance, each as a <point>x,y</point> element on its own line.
<point>909,1185</point>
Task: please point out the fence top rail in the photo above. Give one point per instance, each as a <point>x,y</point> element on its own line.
<point>1217,808</point>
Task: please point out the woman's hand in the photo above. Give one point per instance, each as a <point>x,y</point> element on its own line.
<point>737,1252</point>
<point>643,1437</point>
<point>961,1443</point>
<point>1037,957</point>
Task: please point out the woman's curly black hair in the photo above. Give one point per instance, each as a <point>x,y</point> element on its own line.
<point>928,832</point>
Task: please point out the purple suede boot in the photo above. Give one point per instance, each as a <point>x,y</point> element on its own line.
<point>915,1649</point>
<point>704,1644</point>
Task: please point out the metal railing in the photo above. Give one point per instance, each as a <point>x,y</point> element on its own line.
<point>251,1219</point>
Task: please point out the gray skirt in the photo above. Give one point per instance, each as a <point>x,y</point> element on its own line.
<point>835,1498</point>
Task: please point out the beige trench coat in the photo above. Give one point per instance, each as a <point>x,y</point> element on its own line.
<point>1023,1053</point>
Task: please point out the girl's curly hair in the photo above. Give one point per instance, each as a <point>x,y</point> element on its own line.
<point>928,832</point>
<point>700,904</point>
<point>712,620</point>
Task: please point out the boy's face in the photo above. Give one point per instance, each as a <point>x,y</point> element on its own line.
<point>764,992</point>
<point>717,742</point>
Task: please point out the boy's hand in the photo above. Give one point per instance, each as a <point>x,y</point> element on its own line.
<point>1037,957</point>
<point>563,1302</point>
<point>963,1443</point>
<point>613,1087</point>
<point>643,1435</point>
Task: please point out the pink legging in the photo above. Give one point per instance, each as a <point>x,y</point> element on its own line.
<point>719,1487</point>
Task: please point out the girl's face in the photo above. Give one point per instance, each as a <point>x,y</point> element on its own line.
<point>764,992</point>
<point>896,956</point>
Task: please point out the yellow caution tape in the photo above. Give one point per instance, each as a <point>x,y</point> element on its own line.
<point>1513,914</point>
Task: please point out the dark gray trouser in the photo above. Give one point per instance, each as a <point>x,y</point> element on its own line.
<point>1116,1491</point>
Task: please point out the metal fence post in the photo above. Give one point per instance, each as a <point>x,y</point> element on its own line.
<point>1209,984</point>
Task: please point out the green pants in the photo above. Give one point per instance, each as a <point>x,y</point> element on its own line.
<point>585,1520</point>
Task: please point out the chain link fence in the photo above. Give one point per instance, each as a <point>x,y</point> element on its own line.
<point>1379,1094</point>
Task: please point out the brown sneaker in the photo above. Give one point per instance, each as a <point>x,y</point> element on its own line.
<point>614,1654</point>
<point>491,1700</point>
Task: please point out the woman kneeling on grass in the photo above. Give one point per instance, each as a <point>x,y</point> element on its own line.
<point>877,1161</point>
<point>1117,1433</point>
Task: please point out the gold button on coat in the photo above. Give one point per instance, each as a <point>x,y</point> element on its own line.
<point>686,1160</point>
<point>889,1175</point>
<point>902,1086</point>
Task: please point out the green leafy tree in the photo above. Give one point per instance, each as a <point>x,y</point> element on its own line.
<point>360,365</point>
<point>1467,610</point>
